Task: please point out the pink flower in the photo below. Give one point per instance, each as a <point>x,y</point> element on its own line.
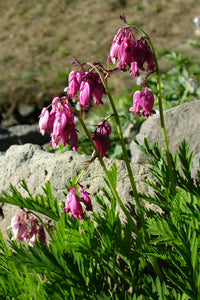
<point>149,58</point>
<point>139,54</point>
<point>101,138</point>
<point>41,234</point>
<point>134,69</point>
<point>85,94</point>
<point>126,51</point>
<point>137,103</point>
<point>86,199</point>
<point>60,124</point>
<point>24,228</point>
<point>114,50</point>
<point>33,230</point>
<point>73,204</point>
<point>122,47</point>
<point>86,85</point>
<point>131,53</point>
<point>43,122</point>
<point>143,100</point>
<point>19,227</point>
<point>75,78</point>
<point>98,90</point>
<point>148,103</point>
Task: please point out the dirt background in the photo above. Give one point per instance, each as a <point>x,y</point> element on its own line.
<point>39,38</point>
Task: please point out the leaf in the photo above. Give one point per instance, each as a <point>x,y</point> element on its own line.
<point>44,204</point>
<point>113,174</point>
<point>161,229</point>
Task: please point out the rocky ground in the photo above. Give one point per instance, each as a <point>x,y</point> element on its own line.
<point>40,38</point>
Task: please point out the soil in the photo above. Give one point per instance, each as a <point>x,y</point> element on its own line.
<point>39,39</point>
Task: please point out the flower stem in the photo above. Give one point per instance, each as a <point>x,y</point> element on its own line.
<point>112,185</point>
<point>162,121</point>
<point>126,158</point>
<point>85,168</point>
<point>185,94</point>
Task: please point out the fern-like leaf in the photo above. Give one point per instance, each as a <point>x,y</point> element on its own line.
<point>44,204</point>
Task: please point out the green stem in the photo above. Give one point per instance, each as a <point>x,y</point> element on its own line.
<point>112,185</point>
<point>185,94</point>
<point>85,168</point>
<point>126,158</point>
<point>162,121</point>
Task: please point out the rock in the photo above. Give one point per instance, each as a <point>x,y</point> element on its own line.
<point>26,110</point>
<point>9,120</point>
<point>20,135</point>
<point>196,164</point>
<point>181,122</point>
<point>38,166</point>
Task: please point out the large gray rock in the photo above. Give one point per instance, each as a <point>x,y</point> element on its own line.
<point>38,166</point>
<point>182,122</point>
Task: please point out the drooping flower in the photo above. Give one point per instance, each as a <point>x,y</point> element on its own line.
<point>98,89</point>
<point>126,51</point>
<point>139,54</point>
<point>75,78</point>
<point>86,199</point>
<point>91,86</point>
<point>137,103</point>
<point>25,228</point>
<point>85,94</point>
<point>148,103</point>
<point>41,234</point>
<point>149,58</point>
<point>115,46</point>
<point>60,124</point>
<point>143,102</point>
<point>43,122</point>
<point>130,52</point>
<point>134,69</point>
<point>73,204</point>
<point>19,227</point>
<point>74,199</point>
<point>101,138</point>
<point>122,47</point>
<point>73,138</point>
<point>33,233</point>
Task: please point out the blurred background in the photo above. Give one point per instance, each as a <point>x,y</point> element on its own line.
<point>39,38</point>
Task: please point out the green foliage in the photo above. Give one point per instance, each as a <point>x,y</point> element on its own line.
<point>101,257</point>
<point>175,231</point>
<point>180,83</point>
<point>86,259</point>
<point>45,204</point>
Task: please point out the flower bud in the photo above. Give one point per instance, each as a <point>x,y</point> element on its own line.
<point>101,138</point>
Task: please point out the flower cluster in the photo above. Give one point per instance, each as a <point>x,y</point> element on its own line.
<point>131,53</point>
<point>135,55</point>
<point>26,228</point>
<point>59,122</point>
<point>101,138</point>
<point>73,202</point>
<point>143,101</point>
<point>88,85</point>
